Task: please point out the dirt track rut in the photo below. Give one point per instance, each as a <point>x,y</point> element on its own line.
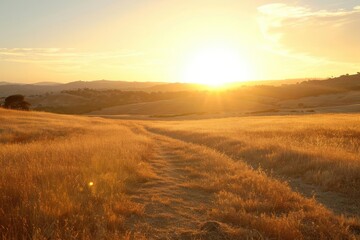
<point>170,206</point>
<point>337,202</point>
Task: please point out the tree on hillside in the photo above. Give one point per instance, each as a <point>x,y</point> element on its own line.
<point>16,102</point>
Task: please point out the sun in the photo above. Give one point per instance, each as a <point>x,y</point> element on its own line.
<point>215,66</point>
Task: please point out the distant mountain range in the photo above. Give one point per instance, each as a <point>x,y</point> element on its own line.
<point>342,82</point>
<point>7,88</point>
<point>44,87</point>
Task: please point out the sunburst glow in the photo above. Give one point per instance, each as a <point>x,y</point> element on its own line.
<point>216,66</point>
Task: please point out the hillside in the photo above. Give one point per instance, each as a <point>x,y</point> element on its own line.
<point>87,100</point>
<point>196,104</point>
<point>73,177</point>
<point>339,94</point>
<point>36,89</point>
<point>7,88</point>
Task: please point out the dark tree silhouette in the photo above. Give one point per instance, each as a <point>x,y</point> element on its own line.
<point>16,102</point>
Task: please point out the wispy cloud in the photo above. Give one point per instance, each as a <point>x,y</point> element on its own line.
<point>281,10</point>
<point>321,37</point>
<point>63,59</point>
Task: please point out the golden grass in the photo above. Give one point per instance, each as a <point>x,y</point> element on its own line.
<point>253,205</point>
<point>66,177</point>
<point>321,149</point>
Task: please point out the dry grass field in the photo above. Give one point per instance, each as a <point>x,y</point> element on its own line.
<point>320,149</point>
<point>67,177</point>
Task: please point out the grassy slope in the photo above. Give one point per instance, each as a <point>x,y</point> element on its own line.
<point>193,104</point>
<point>73,177</point>
<point>320,149</point>
<point>66,176</point>
<point>248,204</point>
<point>339,99</point>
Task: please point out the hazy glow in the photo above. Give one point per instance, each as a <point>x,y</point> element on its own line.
<point>215,66</point>
<point>202,41</point>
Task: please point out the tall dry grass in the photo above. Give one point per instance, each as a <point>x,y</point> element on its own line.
<point>255,206</point>
<point>320,149</point>
<point>66,177</point>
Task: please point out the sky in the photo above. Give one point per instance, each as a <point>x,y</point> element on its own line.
<point>156,40</point>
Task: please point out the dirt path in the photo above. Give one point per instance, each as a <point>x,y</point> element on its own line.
<point>170,207</point>
<point>174,210</point>
<point>337,202</point>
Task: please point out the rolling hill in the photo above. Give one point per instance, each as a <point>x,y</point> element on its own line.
<point>76,177</point>
<point>36,89</point>
<point>203,104</point>
<point>150,98</point>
